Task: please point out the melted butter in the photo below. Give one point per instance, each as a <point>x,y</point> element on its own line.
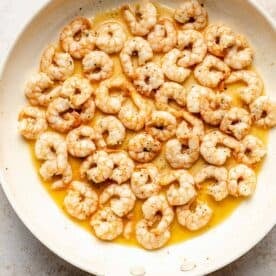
<point>222,210</point>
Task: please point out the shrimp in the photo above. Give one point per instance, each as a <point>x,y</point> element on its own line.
<point>252,150</point>
<point>211,71</point>
<point>140,18</point>
<point>216,147</point>
<point>110,37</point>
<point>135,112</point>
<point>148,78</point>
<point>144,181</point>
<point>170,91</point>
<point>193,47</point>
<point>183,192</point>
<point>182,153</point>
<point>123,167</point>
<point>106,225</point>
<point>97,66</point>
<point>219,189</point>
<point>171,69</point>
<point>143,147</point>
<point>191,15</point>
<point>77,89</point>
<point>162,38</point>
<point>57,65</point>
<point>135,47</point>
<point>213,107</point>
<point>77,38</point>
<point>86,111</point>
<point>107,102</point>
<point>32,122</point>
<point>254,84</point>
<point>263,112</point>
<point>194,219</point>
<point>114,129</point>
<point>80,141</point>
<point>240,55</point>
<point>97,167</point>
<point>162,125</point>
<point>122,199</point>
<point>241,181</point>
<point>236,122</point>
<point>40,89</point>
<point>219,39</point>
<point>128,230</point>
<point>80,201</point>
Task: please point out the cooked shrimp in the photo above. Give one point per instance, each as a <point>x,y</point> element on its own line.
<point>57,65</point>
<point>192,15</point>
<point>211,72</point>
<point>140,18</point>
<point>97,167</point>
<point>162,125</point>
<point>171,69</point>
<point>97,66</point>
<point>252,150</point>
<point>193,47</point>
<point>236,122</point>
<point>144,181</point>
<point>77,38</point>
<point>216,147</point>
<point>110,37</point>
<point>194,219</point>
<point>122,199</point>
<point>219,189</point>
<point>32,122</point>
<point>80,201</point>
<point>106,224</point>
<point>240,55</point>
<point>254,84</point>
<point>86,111</point>
<point>148,78</point>
<point>135,47</point>
<point>162,38</point>
<point>143,147</point>
<point>183,192</point>
<point>40,89</point>
<point>263,112</point>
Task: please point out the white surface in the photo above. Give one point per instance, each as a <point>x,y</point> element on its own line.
<point>34,257</point>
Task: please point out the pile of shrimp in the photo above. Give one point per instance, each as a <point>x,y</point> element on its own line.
<point>146,113</point>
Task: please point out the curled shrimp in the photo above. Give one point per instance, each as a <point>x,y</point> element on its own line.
<point>138,48</point>
<point>80,201</point>
<point>171,69</point>
<point>241,180</point>
<point>140,18</point>
<point>162,38</point>
<point>216,147</point>
<point>122,199</point>
<point>236,122</point>
<point>161,125</point>
<point>77,38</point>
<point>219,189</point>
<point>211,71</point>
<point>191,15</point>
<point>263,112</point>
<point>107,226</point>
<point>97,66</point>
<point>253,82</point>
<point>143,147</point>
<point>144,181</point>
<point>110,37</point>
<point>193,47</point>
<point>57,65</point>
<point>184,192</point>
<point>32,122</point>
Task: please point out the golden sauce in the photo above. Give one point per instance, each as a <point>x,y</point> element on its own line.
<point>222,209</point>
